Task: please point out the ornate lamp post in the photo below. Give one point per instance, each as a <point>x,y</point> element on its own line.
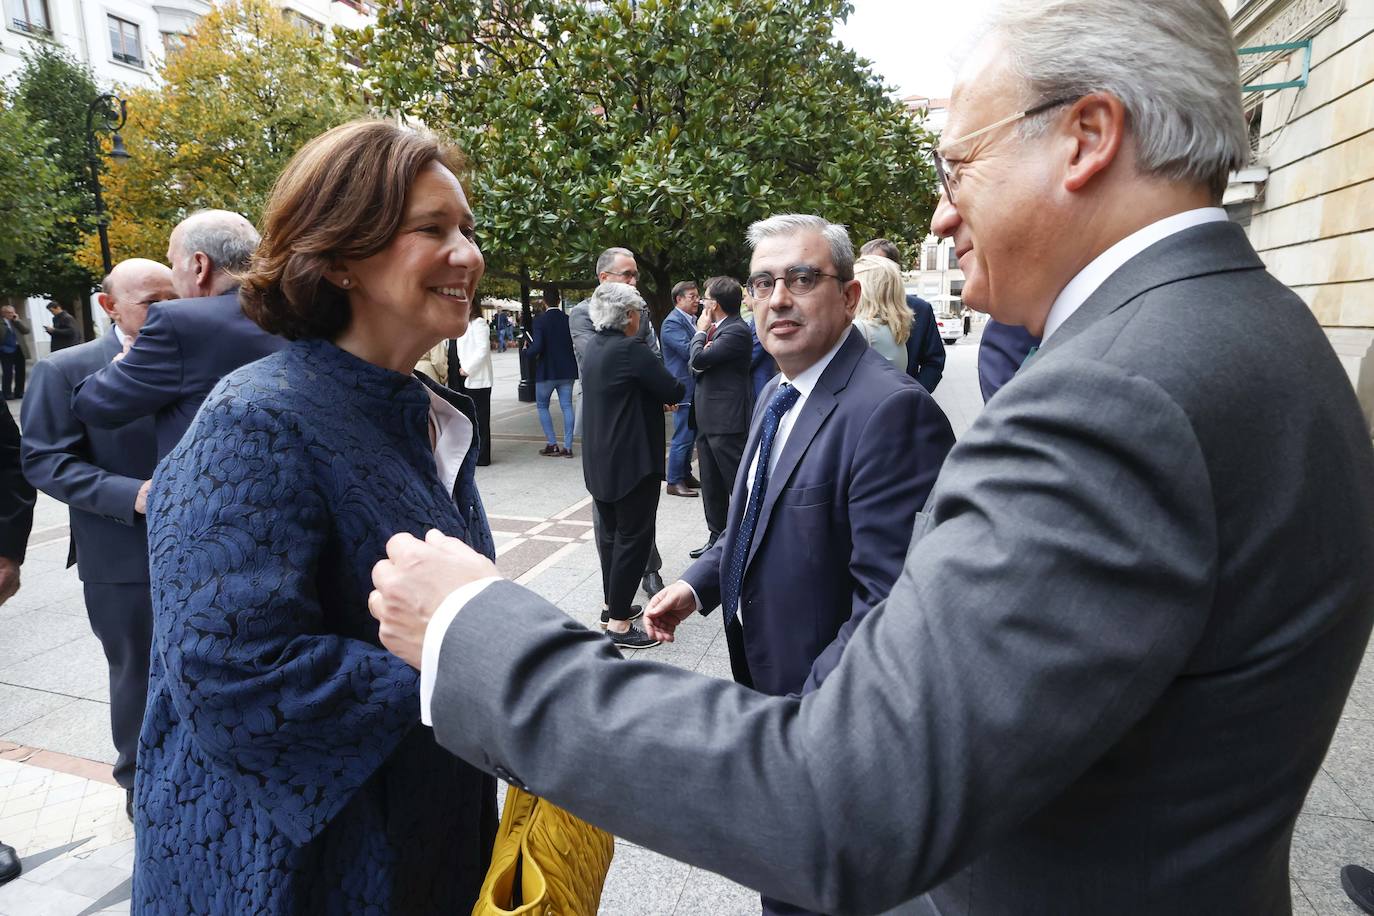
<point>108,113</point>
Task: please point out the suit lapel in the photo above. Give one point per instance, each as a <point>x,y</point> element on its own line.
<point>818,406</point>
<point>1210,248</point>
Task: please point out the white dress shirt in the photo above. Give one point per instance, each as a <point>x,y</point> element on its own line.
<point>1081,287</point>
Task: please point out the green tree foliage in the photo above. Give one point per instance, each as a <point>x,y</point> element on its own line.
<point>666,126</point>
<point>34,192</point>
<point>242,94</point>
<point>48,104</point>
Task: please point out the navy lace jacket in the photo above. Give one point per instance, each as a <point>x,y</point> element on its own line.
<point>282,767</point>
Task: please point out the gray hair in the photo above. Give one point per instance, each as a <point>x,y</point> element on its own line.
<point>227,239</point>
<point>611,304</point>
<point>790,224</point>
<point>1172,63</point>
<point>607,258</point>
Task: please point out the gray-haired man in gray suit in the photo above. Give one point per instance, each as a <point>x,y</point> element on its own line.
<point>1134,605</point>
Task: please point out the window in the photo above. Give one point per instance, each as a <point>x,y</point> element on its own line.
<point>303,22</point>
<point>124,43</point>
<point>953,261</point>
<point>929,256</point>
<point>173,42</point>
<point>29,16</point>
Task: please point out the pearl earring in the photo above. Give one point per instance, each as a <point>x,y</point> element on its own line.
<point>345,282</point>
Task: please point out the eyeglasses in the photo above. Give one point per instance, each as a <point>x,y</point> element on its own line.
<point>799,281</point>
<point>949,177</point>
<point>627,274</point>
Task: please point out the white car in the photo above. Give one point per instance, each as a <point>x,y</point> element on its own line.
<point>952,327</point>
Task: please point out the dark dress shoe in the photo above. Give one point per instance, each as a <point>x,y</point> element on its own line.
<point>653,583</point>
<point>1359,886</point>
<point>679,489</point>
<point>10,866</point>
<point>710,542</point>
<point>692,482</point>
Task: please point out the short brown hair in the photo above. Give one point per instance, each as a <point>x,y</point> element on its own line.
<point>341,196</point>
<point>883,249</point>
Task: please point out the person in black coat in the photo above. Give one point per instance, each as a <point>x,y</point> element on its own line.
<point>719,356</point>
<point>62,331</point>
<point>625,392</point>
<point>16,519</point>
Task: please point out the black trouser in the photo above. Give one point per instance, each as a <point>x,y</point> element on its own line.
<point>481,399</point>
<point>121,616</point>
<point>624,539</point>
<point>12,374</point>
<point>719,456</point>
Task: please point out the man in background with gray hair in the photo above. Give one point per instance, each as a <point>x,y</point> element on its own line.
<point>187,344</point>
<point>1132,608</point>
<point>617,265</point>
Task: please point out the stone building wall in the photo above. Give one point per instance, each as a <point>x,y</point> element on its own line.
<point>1312,213</point>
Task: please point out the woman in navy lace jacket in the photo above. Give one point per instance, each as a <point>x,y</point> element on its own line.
<point>282,767</point>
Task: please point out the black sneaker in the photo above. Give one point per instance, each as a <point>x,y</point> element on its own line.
<point>636,612</point>
<point>633,638</point>
<point>1359,886</point>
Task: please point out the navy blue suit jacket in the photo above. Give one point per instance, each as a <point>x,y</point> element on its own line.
<point>1003,350</point>
<point>96,472</point>
<point>184,349</point>
<point>925,351</point>
<point>552,348</point>
<point>857,466</point>
<point>675,341</point>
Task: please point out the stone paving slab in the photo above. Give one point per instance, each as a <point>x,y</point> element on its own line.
<point>51,696</point>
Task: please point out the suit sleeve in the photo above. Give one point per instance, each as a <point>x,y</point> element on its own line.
<point>650,337</point>
<point>1065,575</point>
<point>654,377</point>
<point>580,329</point>
<point>735,343</point>
<point>538,336</point>
<point>677,339</point>
<point>147,379</point>
<point>298,717</point>
<point>930,353</point>
<point>56,453</point>
<point>16,494</point>
<point>896,461</point>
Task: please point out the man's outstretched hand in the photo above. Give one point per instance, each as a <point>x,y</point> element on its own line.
<point>669,608</point>
<point>411,583</point>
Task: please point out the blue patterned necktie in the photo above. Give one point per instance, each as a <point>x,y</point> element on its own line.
<point>782,402</point>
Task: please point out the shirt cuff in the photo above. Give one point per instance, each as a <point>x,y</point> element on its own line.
<point>434,638</point>
<point>695,597</point>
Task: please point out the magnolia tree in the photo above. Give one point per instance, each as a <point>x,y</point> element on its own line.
<point>664,127</point>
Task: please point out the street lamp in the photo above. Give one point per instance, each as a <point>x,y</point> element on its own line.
<point>109,113</point>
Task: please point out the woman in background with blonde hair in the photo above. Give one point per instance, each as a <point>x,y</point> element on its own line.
<point>882,315</point>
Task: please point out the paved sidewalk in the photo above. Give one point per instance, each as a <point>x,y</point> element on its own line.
<point>60,808</point>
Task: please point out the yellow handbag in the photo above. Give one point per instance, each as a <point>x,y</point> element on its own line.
<point>545,862</point>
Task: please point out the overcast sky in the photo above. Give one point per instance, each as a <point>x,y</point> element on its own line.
<point>910,41</point>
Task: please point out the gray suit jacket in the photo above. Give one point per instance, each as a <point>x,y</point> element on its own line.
<point>1103,683</point>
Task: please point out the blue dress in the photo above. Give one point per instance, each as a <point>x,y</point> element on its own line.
<point>282,767</point>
